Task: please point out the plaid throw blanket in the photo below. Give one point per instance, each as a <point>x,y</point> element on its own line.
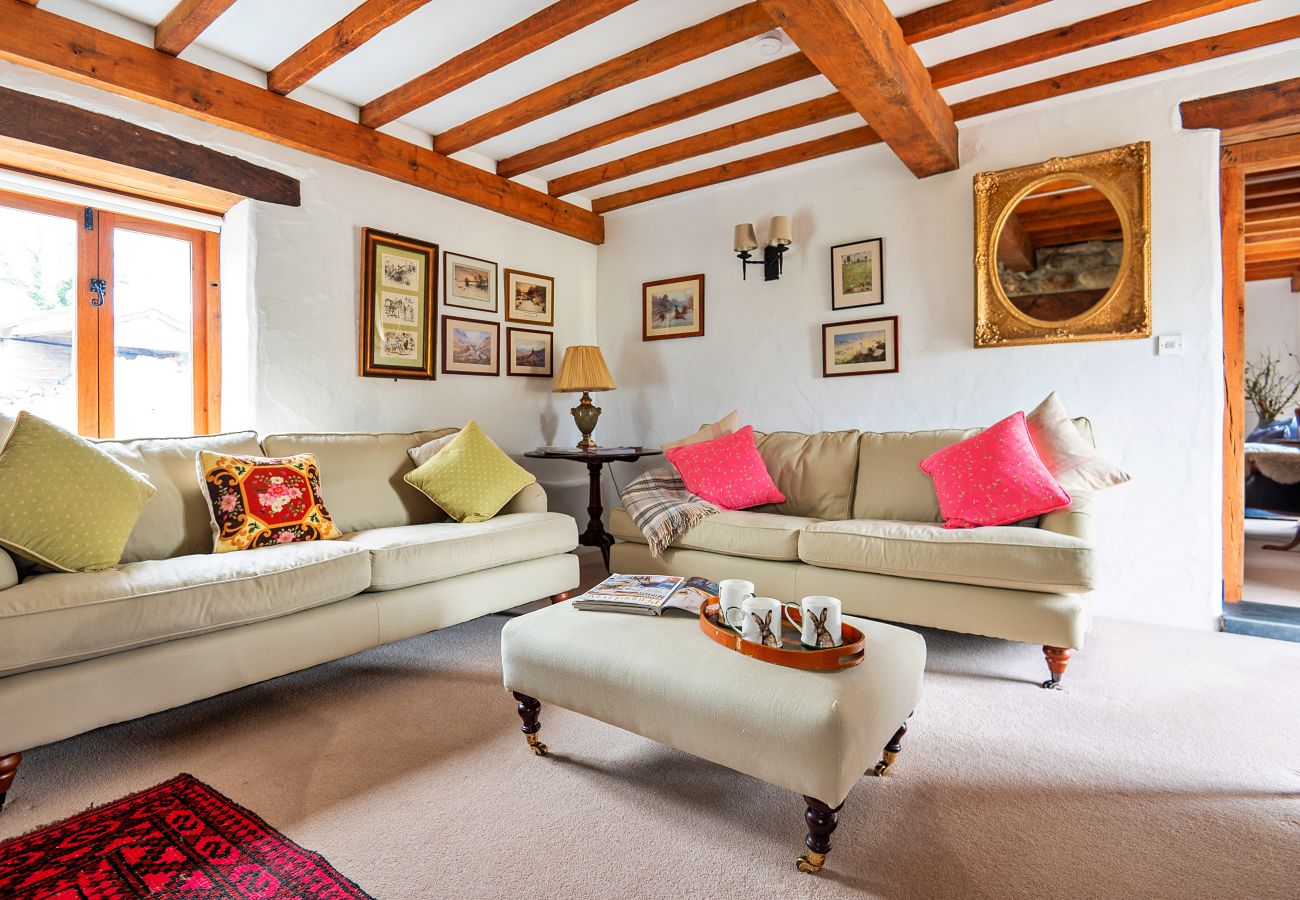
<point>662,508</point>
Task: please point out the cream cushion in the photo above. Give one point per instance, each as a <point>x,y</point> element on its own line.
<point>891,484</point>
<point>425,452</point>
<point>815,472</point>
<point>8,571</point>
<point>416,554</point>
<point>734,532</point>
<point>361,476</point>
<point>1026,559</point>
<point>728,424</point>
<point>177,520</point>
<point>50,620</point>
<point>814,733</point>
<point>1070,456</point>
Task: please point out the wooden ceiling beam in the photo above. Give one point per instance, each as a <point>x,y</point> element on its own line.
<point>1016,247</point>
<point>1242,115</point>
<point>1263,155</point>
<point>50,43</point>
<point>683,46</point>
<point>187,20</point>
<point>1272,201</point>
<point>336,42</point>
<point>945,18</point>
<point>545,27</point>
<point>1277,273</point>
<point>1256,190</point>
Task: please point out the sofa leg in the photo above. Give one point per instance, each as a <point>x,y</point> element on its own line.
<point>8,769</point>
<point>1057,659</point>
<point>892,749</point>
<point>821,820</point>
<point>559,598</point>
<point>530,711</point>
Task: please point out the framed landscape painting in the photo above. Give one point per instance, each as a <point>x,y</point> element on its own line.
<point>471,282</point>
<point>398,279</point>
<point>470,347</point>
<point>530,353</point>
<point>672,308</point>
<point>858,274</point>
<point>864,347</point>
<point>530,299</point>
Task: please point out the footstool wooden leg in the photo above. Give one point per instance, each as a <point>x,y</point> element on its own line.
<point>821,821</point>
<point>892,749</point>
<point>1057,659</point>
<point>559,598</point>
<point>8,769</point>
<point>530,710</point>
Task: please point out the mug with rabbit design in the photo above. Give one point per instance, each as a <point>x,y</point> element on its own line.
<point>821,622</point>
<point>757,619</point>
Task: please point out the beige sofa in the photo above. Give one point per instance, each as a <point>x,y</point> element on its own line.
<point>176,623</point>
<point>861,522</point>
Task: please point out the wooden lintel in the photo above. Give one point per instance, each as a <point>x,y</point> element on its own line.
<point>187,20</point>
<point>1246,113</point>
<point>1257,156</point>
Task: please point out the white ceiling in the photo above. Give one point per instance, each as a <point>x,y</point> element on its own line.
<point>262,33</point>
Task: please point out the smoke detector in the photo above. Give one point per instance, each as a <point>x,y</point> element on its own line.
<point>770,44</point>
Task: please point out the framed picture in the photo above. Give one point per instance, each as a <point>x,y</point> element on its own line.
<point>471,282</point>
<point>864,347</point>
<point>398,286</point>
<point>530,299</point>
<point>530,353</point>
<point>672,308</point>
<point>858,274</point>
<point>470,347</point>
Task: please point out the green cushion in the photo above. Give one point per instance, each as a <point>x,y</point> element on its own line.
<point>470,478</point>
<point>65,503</point>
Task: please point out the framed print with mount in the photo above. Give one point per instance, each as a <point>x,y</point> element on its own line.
<point>858,274</point>
<point>470,347</point>
<point>530,298</point>
<point>672,308</point>
<point>471,282</point>
<point>399,276</point>
<point>530,353</point>
<point>861,347</point>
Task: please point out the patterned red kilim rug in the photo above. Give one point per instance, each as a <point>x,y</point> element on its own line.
<point>178,840</point>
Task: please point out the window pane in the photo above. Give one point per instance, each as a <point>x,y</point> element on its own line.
<point>152,305</point>
<point>38,265</point>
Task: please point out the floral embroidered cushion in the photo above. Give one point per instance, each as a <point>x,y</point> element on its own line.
<point>727,472</point>
<point>993,478</point>
<point>257,501</point>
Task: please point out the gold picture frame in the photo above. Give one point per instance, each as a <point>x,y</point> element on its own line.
<point>1122,175</point>
<point>399,277</point>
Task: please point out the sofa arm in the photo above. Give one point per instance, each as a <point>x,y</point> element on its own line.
<point>1074,521</point>
<point>8,571</point>
<point>531,499</point>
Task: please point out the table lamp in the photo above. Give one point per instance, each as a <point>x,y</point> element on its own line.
<point>584,370</point>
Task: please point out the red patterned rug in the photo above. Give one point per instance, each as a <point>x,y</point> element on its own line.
<point>178,840</point>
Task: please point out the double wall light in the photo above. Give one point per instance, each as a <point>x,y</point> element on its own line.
<point>778,239</point>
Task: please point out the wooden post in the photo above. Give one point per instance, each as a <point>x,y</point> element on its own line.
<point>1232,213</point>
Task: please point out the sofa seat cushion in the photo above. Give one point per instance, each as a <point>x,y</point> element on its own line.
<point>417,554</point>
<point>1026,559</point>
<point>732,532</point>
<point>53,619</point>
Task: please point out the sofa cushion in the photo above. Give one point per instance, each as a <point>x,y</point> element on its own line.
<point>53,619</point>
<point>890,483</point>
<point>176,521</point>
<point>727,471</point>
<point>733,532</point>
<point>1027,559</point>
<point>471,478</point>
<point>362,476</point>
<point>417,554</point>
<point>816,472</point>
<point>257,501</point>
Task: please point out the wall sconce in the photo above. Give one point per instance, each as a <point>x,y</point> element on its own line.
<point>778,240</point>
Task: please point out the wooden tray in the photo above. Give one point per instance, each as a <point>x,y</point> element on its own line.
<point>792,653</point>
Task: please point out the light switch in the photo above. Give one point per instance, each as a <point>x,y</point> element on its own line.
<point>1169,345</point>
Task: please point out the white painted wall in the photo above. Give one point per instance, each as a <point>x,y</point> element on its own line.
<point>1272,326</point>
<point>1159,416</point>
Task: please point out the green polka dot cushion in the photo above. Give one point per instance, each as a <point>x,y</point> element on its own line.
<point>65,503</point>
<point>470,478</point>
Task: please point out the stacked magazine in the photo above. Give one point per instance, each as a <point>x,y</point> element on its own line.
<point>648,595</point>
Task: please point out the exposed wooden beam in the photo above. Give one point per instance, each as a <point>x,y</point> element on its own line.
<point>780,72</point>
<point>1275,271</point>
<point>858,45</point>
<point>1232,521</point>
<point>691,43</point>
<point>538,30</point>
<point>1244,114</point>
<point>1259,189</point>
<point>1015,248</point>
<point>48,124</point>
<point>1295,282</point>
<point>186,21</point>
<point>1094,32</point>
<point>831,106</point>
<point>336,42</point>
<point>1275,250</point>
<point>945,18</point>
<point>1256,156</point>
<point>50,43</point>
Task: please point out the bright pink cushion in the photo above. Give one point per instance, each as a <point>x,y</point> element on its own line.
<point>993,478</point>
<point>727,472</point>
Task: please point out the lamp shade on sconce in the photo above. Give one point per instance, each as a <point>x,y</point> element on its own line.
<point>779,234</point>
<point>745,238</point>
<point>583,369</point>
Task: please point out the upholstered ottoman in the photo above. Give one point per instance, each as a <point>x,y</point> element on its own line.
<point>815,733</point>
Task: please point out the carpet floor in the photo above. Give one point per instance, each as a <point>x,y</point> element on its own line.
<point>1168,767</point>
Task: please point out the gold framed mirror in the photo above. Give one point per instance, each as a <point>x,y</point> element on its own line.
<point>1063,250</point>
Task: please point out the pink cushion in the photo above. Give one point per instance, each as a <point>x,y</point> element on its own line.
<point>993,478</point>
<point>727,472</point>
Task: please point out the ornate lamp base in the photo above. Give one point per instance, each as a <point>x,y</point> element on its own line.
<point>585,415</point>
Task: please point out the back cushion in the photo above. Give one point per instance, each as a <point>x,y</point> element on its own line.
<point>815,472</point>
<point>891,484</point>
<point>175,520</point>
<point>361,476</point>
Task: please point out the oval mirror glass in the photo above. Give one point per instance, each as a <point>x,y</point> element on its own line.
<point>1059,251</point>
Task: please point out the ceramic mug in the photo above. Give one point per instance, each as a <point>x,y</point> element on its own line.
<point>758,620</point>
<point>821,622</point>
<point>731,593</point>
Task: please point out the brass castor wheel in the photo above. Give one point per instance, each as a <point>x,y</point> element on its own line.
<point>538,748</point>
<point>881,768</point>
<point>810,863</point>
<point>1052,684</point>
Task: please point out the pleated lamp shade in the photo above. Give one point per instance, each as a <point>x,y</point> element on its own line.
<point>583,369</point>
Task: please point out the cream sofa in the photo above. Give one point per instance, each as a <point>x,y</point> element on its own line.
<point>861,523</point>
<point>176,623</point>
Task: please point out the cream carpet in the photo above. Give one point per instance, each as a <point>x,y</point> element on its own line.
<point>1272,576</point>
<point>1169,767</point>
